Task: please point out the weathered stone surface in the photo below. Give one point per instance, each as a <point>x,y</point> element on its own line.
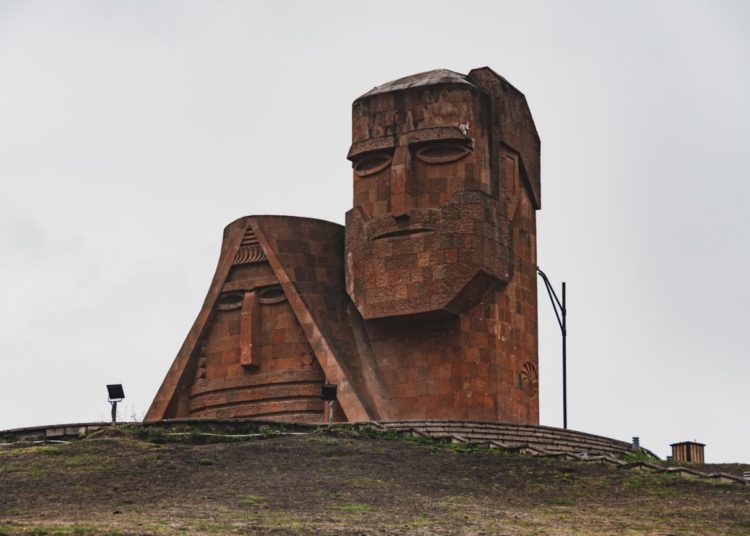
<point>247,354</point>
<point>422,307</point>
<point>441,245</point>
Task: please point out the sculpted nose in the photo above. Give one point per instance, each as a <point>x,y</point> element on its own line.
<point>249,329</point>
<point>402,185</point>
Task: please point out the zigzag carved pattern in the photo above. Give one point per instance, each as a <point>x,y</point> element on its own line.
<point>249,254</point>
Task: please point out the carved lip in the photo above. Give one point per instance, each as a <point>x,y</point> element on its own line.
<point>404,232</point>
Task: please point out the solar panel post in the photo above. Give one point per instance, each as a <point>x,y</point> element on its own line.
<point>115,394</point>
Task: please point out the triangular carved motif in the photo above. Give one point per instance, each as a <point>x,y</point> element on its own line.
<point>250,250</point>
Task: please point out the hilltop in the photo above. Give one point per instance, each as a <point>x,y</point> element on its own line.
<point>354,481</point>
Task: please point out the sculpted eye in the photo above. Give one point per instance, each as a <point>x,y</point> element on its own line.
<point>442,152</point>
<point>229,301</point>
<point>272,294</point>
<point>369,164</point>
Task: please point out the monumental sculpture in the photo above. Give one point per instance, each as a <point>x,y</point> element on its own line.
<point>424,306</point>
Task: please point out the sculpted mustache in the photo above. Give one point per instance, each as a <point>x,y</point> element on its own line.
<point>389,226</point>
<point>427,217</point>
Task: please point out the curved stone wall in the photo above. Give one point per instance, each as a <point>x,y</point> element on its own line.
<point>541,438</point>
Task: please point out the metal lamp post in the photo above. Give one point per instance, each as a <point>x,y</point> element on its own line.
<point>561,314</point>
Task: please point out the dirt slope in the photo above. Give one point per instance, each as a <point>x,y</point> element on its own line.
<point>119,483</point>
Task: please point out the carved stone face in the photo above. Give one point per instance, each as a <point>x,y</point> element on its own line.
<point>244,311</point>
<point>253,347</point>
<point>427,233</point>
<point>243,319</point>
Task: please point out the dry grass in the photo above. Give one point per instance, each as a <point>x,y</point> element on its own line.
<point>118,483</point>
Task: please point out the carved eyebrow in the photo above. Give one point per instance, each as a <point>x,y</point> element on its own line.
<point>433,134</point>
<point>248,285</point>
<point>415,136</point>
<point>367,146</point>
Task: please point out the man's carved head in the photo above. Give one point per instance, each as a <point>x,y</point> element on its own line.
<point>428,232</point>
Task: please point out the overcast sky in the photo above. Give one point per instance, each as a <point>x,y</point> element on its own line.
<point>132,132</point>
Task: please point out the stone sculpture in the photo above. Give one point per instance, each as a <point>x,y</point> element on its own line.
<point>423,307</point>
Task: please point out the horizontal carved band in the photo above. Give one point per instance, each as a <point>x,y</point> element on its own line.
<point>261,393</point>
<point>256,380</point>
<point>263,409</point>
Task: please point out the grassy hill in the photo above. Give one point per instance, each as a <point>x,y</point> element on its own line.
<point>146,481</point>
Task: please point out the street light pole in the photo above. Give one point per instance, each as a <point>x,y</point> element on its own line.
<point>561,312</point>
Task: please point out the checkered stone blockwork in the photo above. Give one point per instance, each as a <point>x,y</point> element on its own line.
<point>423,307</point>
<point>441,246</point>
<point>247,354</point>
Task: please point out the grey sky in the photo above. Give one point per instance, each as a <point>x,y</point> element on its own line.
<point>132,132</point>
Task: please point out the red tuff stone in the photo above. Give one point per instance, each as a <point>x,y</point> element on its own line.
<point>423,306</point>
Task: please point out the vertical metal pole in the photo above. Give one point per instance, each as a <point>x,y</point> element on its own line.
<point>114,412</point>
<point>330,413</point>
<point>564,356</point>
<point>561,313</point>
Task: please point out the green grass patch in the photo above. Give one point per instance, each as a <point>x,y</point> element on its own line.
<point>15,452</point>
<point>196,434</point>
<point>253,500</point>
<point>351,507</point>
<point>654,484</point>
<point>84,461</point>
<point>454,502</point>
<point>365,483</point>
<point>71,530</point>
<point>35,472</point>
<point>561,501</point>
<point>51,451</point>
<point>638,456</point>
<point>280,519</point>
<point>422,520</point>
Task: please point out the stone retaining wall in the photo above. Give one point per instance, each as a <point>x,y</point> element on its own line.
<point>542,438</point>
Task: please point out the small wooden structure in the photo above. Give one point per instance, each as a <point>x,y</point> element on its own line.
<point>688,452</point>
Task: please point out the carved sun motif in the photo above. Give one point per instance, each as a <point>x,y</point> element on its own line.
<point>528,378</point>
